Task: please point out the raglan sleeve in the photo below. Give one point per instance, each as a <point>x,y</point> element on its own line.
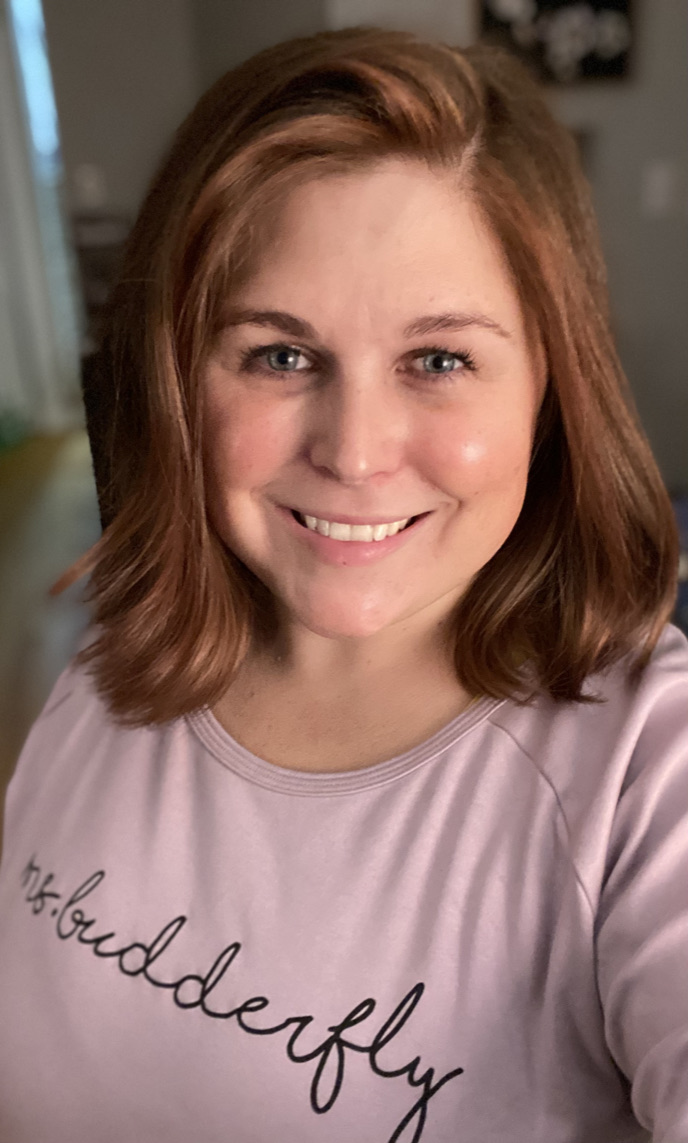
<point>642,921</point>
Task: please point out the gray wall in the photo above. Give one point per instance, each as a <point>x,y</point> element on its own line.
<point>125,74</point>
<point>639,174</point>
<point>227,31</point>
<point>451,20</point>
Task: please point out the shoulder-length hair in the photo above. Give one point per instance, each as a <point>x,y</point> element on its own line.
<point>588,573</point>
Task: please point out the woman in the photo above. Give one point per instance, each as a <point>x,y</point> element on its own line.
<point>363,815</point>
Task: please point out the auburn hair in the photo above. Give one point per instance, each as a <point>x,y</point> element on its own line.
<point>588,573</point>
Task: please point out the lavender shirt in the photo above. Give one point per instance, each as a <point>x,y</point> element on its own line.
<point>484,940</point>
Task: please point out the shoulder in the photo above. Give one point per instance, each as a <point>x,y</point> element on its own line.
<point>609,762</point>
<point>69,699</point>
<point>72,706</point>
<point>72,752</point>
<point>623,710</point>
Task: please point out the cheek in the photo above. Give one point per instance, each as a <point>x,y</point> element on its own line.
<point>468,460</point>
<point>246,444</point>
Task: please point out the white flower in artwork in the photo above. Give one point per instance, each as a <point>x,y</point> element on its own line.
<point>613,34</point>
<point>514,11</point>
<point>569,34</point>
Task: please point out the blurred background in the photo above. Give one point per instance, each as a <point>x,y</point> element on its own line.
<point>90,93</point>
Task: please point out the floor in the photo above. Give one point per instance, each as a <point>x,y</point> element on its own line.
<point>48,517</point>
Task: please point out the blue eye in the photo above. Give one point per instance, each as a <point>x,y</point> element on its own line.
<point>438,362</point>
<point>435,361</point>
<point>276,358</point>
<point>284,359</point>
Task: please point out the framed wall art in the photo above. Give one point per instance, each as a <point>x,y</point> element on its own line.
<point>565,41</point>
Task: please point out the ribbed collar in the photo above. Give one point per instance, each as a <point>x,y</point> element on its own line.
<point>249,766</point>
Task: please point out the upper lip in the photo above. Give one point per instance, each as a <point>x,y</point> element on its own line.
<point>342,518</point>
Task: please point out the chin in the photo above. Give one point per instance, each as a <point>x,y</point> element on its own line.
<point>341,621</point>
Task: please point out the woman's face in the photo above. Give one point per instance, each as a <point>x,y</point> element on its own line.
<point>373,374</point>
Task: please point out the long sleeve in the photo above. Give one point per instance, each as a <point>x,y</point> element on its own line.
<point>642,928</point>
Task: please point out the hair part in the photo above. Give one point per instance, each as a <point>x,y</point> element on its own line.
<point>587,575</point>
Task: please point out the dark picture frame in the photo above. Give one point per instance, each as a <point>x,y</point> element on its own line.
<point>563,41</point>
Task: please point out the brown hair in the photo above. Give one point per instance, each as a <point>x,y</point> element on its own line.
<point>588,572</point>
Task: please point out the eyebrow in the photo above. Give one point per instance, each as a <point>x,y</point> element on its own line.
<point>436,323</point>
<point>272,319</point>
<point>297,327</point>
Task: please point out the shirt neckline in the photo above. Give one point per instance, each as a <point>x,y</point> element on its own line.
<point>235,757</point>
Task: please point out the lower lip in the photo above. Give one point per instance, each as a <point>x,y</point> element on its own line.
<point>351,553</point>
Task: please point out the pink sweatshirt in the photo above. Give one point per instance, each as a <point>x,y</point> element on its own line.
<point>484,940</point>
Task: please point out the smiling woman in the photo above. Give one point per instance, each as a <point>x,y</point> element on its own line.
<point>588,572</point>
<point>363,421</point>
<point>377,760</point>
<point>363,473</point>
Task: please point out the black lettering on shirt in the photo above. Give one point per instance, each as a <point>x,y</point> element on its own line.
<point>192,990</point>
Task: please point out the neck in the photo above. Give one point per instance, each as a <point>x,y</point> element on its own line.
<point>309,702</point>
<point>303,657</point>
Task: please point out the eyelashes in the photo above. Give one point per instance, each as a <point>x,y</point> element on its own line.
<point>437,360</point>
<point>281,358</point>
<point>284,358</point>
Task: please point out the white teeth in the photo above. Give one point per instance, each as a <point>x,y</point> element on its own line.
<point>363,533</point>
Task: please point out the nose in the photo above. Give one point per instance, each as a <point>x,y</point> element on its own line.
<point>359,429</point>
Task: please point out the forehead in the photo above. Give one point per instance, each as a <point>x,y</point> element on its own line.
<point>391,241</point>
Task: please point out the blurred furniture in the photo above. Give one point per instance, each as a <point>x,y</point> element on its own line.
<point>99,240</point>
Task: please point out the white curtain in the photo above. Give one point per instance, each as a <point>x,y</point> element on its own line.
<point>39,308</point>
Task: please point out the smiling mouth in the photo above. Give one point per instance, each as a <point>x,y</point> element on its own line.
<point>357,533</point>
